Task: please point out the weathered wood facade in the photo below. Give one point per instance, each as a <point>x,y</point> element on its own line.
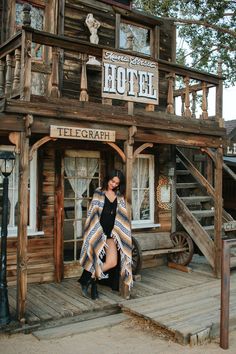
<point>46,80</point>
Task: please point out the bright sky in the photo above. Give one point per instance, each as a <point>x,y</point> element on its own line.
<point>229,103</point>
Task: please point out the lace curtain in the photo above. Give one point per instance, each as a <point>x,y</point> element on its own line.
<point>76,170</point>
<point>140,180</point>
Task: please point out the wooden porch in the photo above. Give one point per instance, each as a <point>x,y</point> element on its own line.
<point>185,304</point>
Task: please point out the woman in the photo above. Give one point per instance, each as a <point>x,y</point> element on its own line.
<point>107,242</point>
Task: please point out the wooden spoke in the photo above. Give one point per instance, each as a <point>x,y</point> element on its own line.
<point>181,240</point>
<point>136,256</point>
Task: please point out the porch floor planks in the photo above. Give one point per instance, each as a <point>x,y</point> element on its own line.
<point>183,303</point>
<point>186,311</point>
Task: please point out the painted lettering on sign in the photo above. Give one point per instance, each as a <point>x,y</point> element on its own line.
<point>82,133</point>
<point>129,78</point>
<point>231,150</point>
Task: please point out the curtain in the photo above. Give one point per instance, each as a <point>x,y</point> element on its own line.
<point>140,179</point>
<point>80,172</point>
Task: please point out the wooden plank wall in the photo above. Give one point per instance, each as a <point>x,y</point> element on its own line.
<point>74,26</point>
<point>40,248</point>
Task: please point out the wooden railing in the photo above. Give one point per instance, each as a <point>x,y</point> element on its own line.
<point>17,66</point>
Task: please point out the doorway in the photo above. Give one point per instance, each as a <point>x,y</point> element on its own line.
<point>82,170</point>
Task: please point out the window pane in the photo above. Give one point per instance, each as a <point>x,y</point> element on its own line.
<point>144,209</point>
<point>135,38</point>
<point>141,189</point>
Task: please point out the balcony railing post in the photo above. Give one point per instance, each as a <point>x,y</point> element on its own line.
<point>55,74</point>
<point>83,81</point>
<point>182,103</point>
<point>194,96</point>
<point>170,98</point>
<point>8,87</point>
<point>25,82</point>
<point>187,112</point>
<point>2,81</point>
<point>204,114</point>
<point>16,79</point>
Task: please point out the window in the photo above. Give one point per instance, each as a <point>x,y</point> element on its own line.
<point>143,191</point>
<point>135,38</point>
<point>13,197</point>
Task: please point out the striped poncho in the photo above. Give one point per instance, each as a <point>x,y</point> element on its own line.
<point>94,241</point>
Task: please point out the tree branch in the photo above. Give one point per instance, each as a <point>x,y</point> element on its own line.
<point>202,23</point>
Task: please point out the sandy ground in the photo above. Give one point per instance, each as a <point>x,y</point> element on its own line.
<point>130,337</point>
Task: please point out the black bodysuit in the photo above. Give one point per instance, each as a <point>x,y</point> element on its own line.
<point>108,215</point>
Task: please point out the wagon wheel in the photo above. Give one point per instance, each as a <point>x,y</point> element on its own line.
<point>181,239</point>
<point>136,256</point>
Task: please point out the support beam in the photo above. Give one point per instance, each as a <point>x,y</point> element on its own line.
<point>128,173</point>
<point>218,211</point>
<point>22,227</point>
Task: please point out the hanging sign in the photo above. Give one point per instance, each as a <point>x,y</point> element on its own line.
<point>57,131</point>
<point>129,78</point>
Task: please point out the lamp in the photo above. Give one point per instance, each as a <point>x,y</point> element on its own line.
<point>7,161</point>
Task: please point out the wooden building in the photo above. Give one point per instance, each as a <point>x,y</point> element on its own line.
<point>229,174</point>
<point>88,85</point>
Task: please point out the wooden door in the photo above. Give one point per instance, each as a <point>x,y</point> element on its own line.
<point>81,178</point>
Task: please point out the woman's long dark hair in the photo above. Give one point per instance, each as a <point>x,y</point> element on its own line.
<point>115,173</point>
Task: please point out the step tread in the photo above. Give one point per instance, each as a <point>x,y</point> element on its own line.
<point>201,198</point>
<point>203,213</point>
<point>187,185</point>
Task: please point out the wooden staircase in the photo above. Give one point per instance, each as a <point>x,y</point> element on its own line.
<point>195,207</point>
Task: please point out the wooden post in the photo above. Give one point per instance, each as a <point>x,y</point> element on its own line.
<point>187,112</point>
<point>128,148</point>
<point>58,217</point>
<point>16,78</point>
<point>218,211</point>
<point>204,114</point>
<point>170,98</point>
<point>83,81</point>
<point>55,74</point>
<point>25,82</point>
<point>182,103</point>
<point>219,97</point>
<point>194,96</point>
<point>8,86</point>
<point>2,81</point>
<point>22,227</point>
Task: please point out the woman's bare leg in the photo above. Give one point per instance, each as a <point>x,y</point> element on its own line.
<point>111,255</point>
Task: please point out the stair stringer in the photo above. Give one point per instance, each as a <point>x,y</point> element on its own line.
<point>195,230</point>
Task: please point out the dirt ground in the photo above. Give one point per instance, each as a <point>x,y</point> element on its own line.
<point>129,337</point>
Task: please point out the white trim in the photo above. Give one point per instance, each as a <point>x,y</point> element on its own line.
<point>144,226</point>
<point>31,228</point>
<point>148,222</point>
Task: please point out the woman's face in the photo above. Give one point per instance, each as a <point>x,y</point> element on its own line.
<point>113,183</point>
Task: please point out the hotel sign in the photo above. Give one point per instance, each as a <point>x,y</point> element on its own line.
<point>82,133</point>
<point>129,78</point>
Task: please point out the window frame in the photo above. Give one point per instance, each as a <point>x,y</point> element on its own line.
<point>145,23</point>
<point>150,222</point>
<point>32,227</point>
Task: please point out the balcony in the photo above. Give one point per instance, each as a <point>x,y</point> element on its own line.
<point>19,69</point>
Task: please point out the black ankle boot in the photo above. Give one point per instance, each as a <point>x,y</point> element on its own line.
<point>85,281</point>
<point>94,290</point>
